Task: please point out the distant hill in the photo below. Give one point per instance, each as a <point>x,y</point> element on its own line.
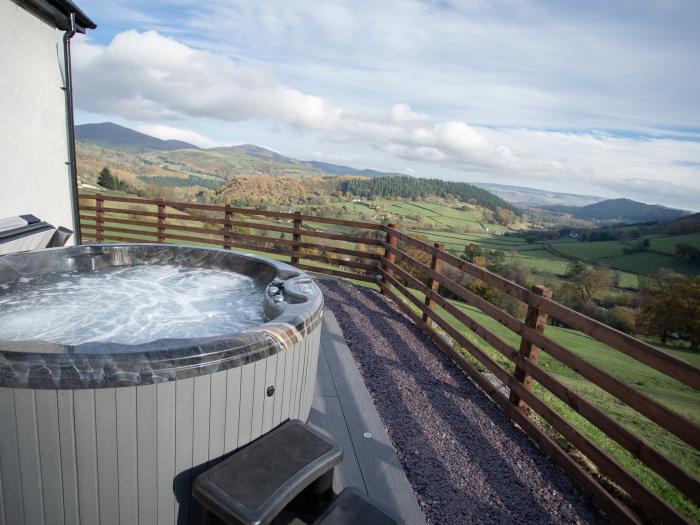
<point>623,210</point>
<point>222,161</point>
<point>684,225</point>
<point>334,169</point>
<point>534,197</point>
<point>406,187</point>
<point>110,135</point>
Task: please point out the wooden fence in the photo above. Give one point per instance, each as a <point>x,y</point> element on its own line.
<point>398,264</point>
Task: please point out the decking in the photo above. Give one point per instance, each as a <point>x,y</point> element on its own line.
<point>343,410</point>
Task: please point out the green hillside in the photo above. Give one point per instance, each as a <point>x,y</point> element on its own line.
<point>624,210</point>
<point>406,187</point>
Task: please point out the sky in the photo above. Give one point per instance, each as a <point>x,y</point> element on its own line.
<point>594,97</point>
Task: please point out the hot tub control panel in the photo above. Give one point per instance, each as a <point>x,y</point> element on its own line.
<point>290,291</point>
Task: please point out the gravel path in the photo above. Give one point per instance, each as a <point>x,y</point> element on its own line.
<point>464,458</point>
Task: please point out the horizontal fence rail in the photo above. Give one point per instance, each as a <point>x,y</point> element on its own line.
<point>354,254</point>
<point>414,275</point>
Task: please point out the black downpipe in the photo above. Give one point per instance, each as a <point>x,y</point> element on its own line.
<point>70,128</point>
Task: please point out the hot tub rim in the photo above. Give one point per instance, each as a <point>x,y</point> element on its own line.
<point>163,359</point>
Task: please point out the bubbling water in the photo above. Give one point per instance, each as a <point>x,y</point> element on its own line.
<point>130,305</point>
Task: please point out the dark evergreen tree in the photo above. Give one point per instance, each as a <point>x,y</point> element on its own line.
<point>106,179</point>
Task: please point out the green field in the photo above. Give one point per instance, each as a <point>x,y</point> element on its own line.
<point>646,262</point>
<point>668,244</point>
<point>590,251</point>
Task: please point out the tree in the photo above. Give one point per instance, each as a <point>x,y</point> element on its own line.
<point>574,269</point>
<point>688,253</point>
<point>496,260</point>
<point>589,283</point>
<point>518,271</point>
<point>106,179</point>
<point>671,305</point>
<point>472,251</point>
<point>504,216</point>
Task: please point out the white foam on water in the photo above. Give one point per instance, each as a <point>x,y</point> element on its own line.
<point>130,304</point>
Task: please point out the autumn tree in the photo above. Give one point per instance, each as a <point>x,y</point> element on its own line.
<point>671,305</point>
<point>505,216</point>
<point>517,270</point>
<point>472,251</point>
<point>587,283</point>
<point>496,260</point>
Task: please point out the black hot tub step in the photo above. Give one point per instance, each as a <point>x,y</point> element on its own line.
<point>254,484</point>
<point>351,507</point>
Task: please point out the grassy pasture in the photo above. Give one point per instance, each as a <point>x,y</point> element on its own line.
<point>668,244</point>
<point>646,262</point>
<point>541,261</point>
<point>590,251</point>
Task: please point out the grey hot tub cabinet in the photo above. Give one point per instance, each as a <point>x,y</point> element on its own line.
<point>95,434</point>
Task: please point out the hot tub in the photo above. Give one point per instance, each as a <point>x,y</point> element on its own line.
<point>110,424</point>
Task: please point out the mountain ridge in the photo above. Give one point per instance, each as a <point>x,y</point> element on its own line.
<point>521,195</point>
<point>109,134</point>
<point>114,136</point>
<point>622,209</point>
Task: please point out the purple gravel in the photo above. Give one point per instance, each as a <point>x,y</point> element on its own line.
<point>465,459</point>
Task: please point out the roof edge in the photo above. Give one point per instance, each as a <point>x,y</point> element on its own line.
<point>58,12</point>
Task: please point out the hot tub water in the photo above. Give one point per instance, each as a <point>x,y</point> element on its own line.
<point>130,305</point>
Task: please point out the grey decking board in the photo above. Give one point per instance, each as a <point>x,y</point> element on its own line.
<point>327,416</point>
<point>378,464</point>
<point>324,383</point>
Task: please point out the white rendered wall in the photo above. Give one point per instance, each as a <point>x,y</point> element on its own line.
<point>34,177</point>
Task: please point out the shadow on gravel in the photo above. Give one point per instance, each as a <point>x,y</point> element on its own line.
<point>463,456</point>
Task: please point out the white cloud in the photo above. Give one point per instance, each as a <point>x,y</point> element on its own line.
<point>148,77</point>
<point>164,132</point>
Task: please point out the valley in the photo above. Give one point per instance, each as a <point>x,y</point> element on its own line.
<point>553,244</point>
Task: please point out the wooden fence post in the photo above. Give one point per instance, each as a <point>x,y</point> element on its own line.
<point>228,215</point>
<point>436,265</point>
<point>389,255</point>
<point>161,220</point>
<point>99,218</point>
<point>536,320</point>
<point>296,237</point>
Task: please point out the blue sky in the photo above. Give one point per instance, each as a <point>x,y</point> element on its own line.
<point>591,97</point>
